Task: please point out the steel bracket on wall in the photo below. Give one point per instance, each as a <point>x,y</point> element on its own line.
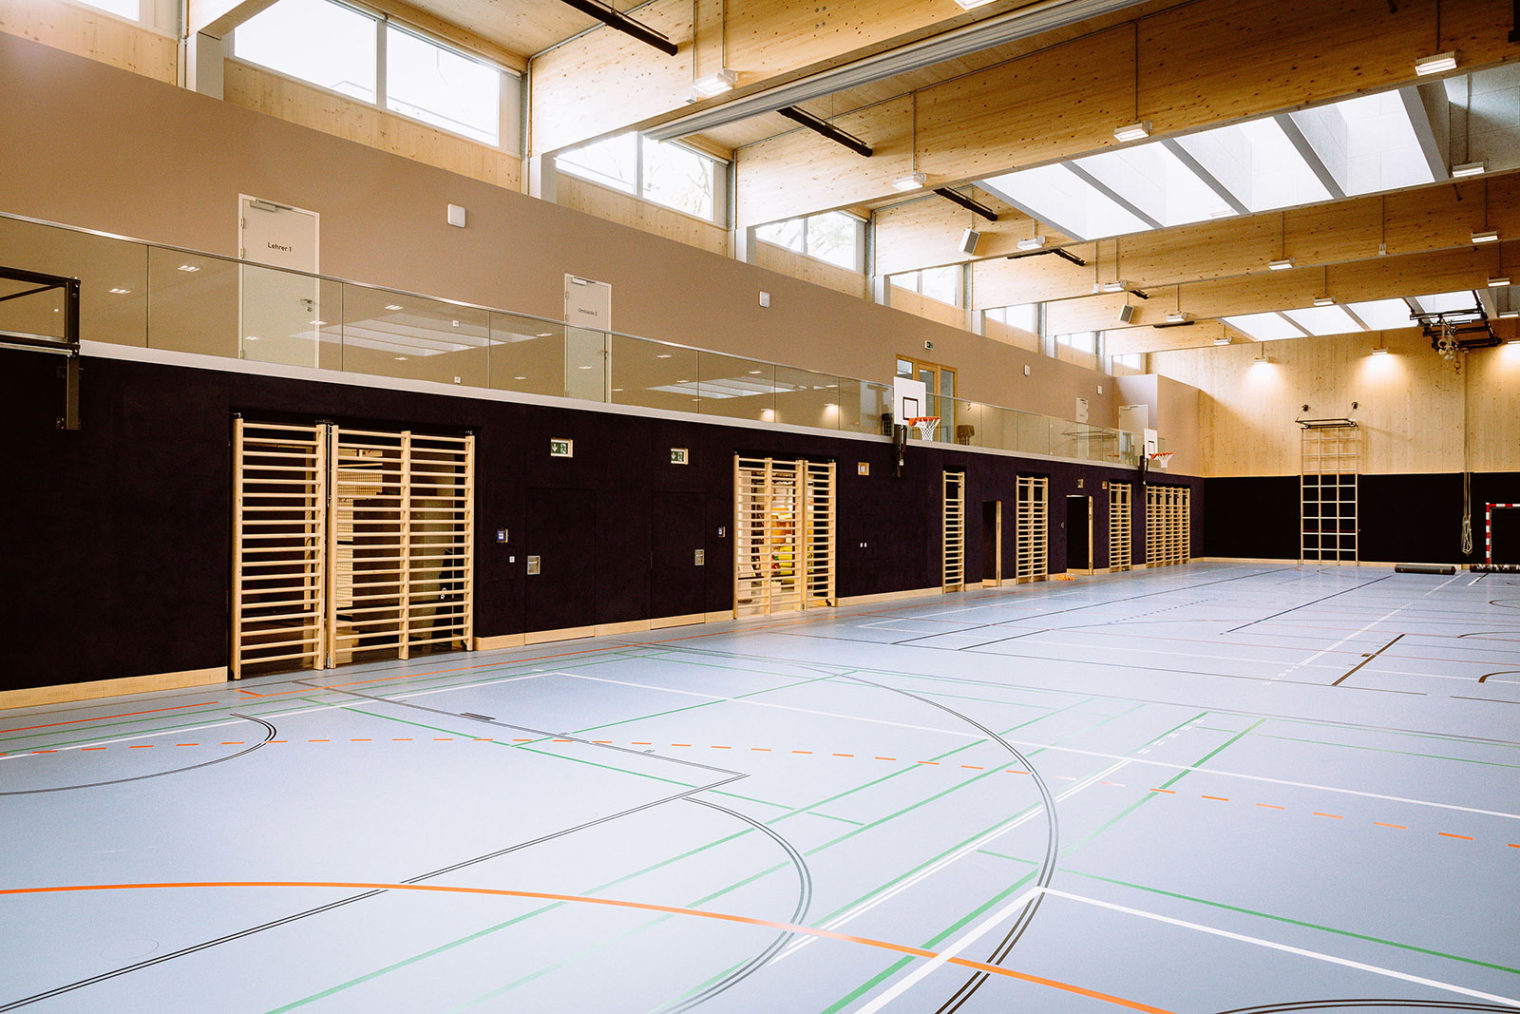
<point>39,285</point>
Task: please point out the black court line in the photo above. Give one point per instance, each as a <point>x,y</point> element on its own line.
<point>1484,700</point>
<point>330,906</point>
<point>1501,672</point>
<point>1295,1005</point>
<point>1369,658</point>
<point>269,733</point>
<point>1308,604</point>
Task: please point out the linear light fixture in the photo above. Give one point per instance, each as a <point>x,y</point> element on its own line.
<point>1324,301</point>
<point>713,84</point>
<point>1509,314</point>
<point>1282,265</point>
<point>118,291</point>
<point>1116,286</point>
<point>393,306</point>
<point>189,268</point>
<point>1221,341</point>
<point>1180,317</point>
<point>1468,169</point>
<point>974,206</point>
<point>988,33</point>
<point>1487,236</point>
<point>1381,350</point>
<point>826,129</point>
<point>1262,360</point>
<point>1032,243</point>
<point>623,23</point>
<point>967,5</point>
<point>1133,131</point>
<point>910,181</point>
<point>1499,283</point>
<point>1438,63</point>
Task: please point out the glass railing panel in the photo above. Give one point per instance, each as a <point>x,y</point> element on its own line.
<point>526,355</point>
<point>805,398</point>
<point>968,424</point>
<point>28,310</point>
<point>862,405</point>
<point>653,375</point>
<point>113,275</point>
<point>287,318</point>
<point>194,303</point>
<point>392,335</point>
<point>1031,433</point>
<point>736,388</point>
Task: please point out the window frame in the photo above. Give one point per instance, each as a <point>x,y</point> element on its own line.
<point>509,81</point>
<point>859,259</point>
<point>160,17</point>
<point>717,167</point>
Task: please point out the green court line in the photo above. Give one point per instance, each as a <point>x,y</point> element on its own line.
<point>929,944</point>
<point>1179,776</point>
<point>1388,750</point>
<point>1001,855</point>
<point>1296,922</point>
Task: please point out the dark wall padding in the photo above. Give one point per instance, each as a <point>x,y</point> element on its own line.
<point>116,539</point>
<point>1402,518</point>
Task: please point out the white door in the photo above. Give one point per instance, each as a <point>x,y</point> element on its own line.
<point>588,316</point>
<point>280,310</point>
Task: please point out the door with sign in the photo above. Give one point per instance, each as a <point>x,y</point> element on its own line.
<point>280,308</point>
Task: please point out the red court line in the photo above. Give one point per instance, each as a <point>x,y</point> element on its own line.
<point>102,718</point>
<point>918,952</point>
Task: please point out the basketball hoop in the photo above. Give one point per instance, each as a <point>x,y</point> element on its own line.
<point>925,424</point>
<point>1161,460</point>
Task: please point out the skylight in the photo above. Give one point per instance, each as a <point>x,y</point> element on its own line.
<point>1323,320</point>
<point>1156,182</point>
<point>1258,163</point>
<point>1448,302</point>
<point>1264,327</point>
<point>1367,143</point>
<point>1059,196</point>
<point>1383,314</point>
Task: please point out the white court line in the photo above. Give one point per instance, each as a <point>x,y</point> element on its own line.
<point>855,912</point>
<point>926,968</point>
<point>1337,644</point>
<point>1301,952</point>
<point>782,707</point>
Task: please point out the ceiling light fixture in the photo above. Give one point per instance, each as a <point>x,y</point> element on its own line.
<point>1281,265</point>
<point>1439,63</point>
<point>1178,317</point>
<point>1498,283</point>
<point>967,5</point>
<point>1032,243</point>
<point>1381,350</point>
<point>713,84</point>
<point>120,292</point>
<point>1467,169</point>
<point>1115,286</point>
<point>188,268</point>
<point>1324,301</point>
<point>393,306</point>
<point>1486,236</point>
<point>1133,131</point>
<point>1221,341</point>
<point>1262,360</point>
<point>1509,314</point>
<point>910,181</point>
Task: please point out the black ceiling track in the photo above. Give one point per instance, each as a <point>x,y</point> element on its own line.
<point>827,129</point>
<point>1063,254</point>
<point>628,26</point>
<point>975,207</point>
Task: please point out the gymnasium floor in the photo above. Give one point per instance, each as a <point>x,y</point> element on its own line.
<point>1201,789</point>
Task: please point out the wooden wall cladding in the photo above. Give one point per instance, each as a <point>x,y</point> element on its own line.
<point>811,269</point>
<point>625,209</point>
<point>92,34</point>
<point>288,99</point>
<point>1414,407</point>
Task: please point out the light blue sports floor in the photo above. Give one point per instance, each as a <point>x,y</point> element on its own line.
<point>1220,787</point>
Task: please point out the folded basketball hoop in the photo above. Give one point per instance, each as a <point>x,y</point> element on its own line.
<point>925,424</point>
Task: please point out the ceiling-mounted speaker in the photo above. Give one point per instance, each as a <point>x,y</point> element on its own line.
<point>969,239</point>
<point>1126,313</point>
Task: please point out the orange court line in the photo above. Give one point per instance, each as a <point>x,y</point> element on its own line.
<point>1169,792</point>
<point>1221,799</point>
<point>1271,806</point>
<point>1464,837</point>
<point>917,952</point>
<point>1399,827</point>
<point>1332,816</point>
<point>102,718</point>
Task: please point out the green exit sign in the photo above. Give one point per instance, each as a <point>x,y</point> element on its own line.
<point>561,448</point>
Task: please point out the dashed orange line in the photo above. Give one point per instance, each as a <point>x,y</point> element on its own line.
<point>195,744</point>
<point>572,741</point>
<point>1447,834</point>
<point>844,755</point>
<point>1271,806</point>
<point>355,741</point>
<point>102,718</point>
<point>761,749</point>
<point>443,739</point>
<point>1332,816</point>
<point>802,751</point>
<point>716,747</point>
<point>973,767</point>
<point>642,743</point>
<point>1169,792</point>
<point>932,763</point>
<point>1221,799</point>
<point>233,742</point>
<point>1514,846</point>
<point>401,739</point>
<point>139,746</point>
<point>601,741</point>
<point>887,758</point>
<point>44,751</point>
<point>89,748</point>
<point>1397,827</point>
<point>523,739</point>
<point>680,744</point>
<point>319,741</point>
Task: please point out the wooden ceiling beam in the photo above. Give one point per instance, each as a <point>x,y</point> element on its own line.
<point>1183,69</point>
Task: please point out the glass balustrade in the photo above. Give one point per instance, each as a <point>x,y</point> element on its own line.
<point>160,297</point>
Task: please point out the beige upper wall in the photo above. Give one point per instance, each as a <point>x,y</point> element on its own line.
<point>1413,406</point>
<point>150,160</point>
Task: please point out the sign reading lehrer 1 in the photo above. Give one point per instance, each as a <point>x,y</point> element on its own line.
<point>559,447</point>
